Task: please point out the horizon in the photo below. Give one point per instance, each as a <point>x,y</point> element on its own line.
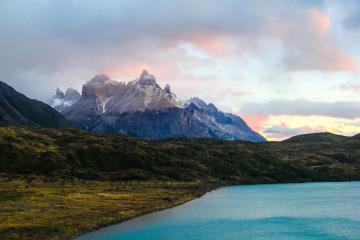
<point>283,77</point>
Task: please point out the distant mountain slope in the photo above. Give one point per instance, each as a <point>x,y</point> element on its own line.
<point>143,109</point>
<point>316,137</point>
<point>62,100</point>
<point>17,109</point>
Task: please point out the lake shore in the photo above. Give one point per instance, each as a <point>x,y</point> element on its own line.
<point>308,211</point>
<point>37,208</point>
<point>59,210</point>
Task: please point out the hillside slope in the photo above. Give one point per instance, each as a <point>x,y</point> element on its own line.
<point>316,138</point>
<point>76,153</point>
<point>17,109</point>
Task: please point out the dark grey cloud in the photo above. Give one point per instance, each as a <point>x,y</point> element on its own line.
<point>304,108</point>
<point>51,37</point>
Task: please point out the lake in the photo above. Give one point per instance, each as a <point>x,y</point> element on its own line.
<point>308,211</point>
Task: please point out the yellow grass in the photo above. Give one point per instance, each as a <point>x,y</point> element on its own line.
<point>64,209</point>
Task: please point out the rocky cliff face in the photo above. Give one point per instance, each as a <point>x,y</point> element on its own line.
<point>143,109</point>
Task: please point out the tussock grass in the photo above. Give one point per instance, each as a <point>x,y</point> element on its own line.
<point>38,209</point>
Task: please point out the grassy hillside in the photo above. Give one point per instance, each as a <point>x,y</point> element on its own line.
<point>75,153</point>
<point>43,210</point>
<point>58,183</point>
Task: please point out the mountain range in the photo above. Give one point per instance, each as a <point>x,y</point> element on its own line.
<point>143,109</point>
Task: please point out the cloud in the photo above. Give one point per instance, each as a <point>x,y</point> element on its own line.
<point>352,20</point>
<point>321,21</point>
<point>256,121</point>
<point>314,47</point>
<point>53,37</point>
<point>350,87</point>
<point>303,107</point>
<point>321,56</point>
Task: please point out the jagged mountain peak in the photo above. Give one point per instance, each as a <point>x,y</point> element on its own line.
<point>147,79</point>
<point>197,102</point>
<point>100,79</point>
<point>143,109</point>
<point>61,100</point>
<point>167,89</point>
<point>59,93</point>
<point>71,94</point>
<point>201,104</point>
<point>146,76</point>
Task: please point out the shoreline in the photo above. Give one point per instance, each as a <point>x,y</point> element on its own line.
<point>203,193</point>
<point>68,210</point>
<point>208,190</point>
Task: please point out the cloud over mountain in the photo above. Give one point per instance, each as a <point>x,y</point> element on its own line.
<point>304,108</point>
<point>48,37</point>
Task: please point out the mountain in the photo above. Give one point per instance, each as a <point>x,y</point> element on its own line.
<point>324,137</point>
<point>17,109</point>
<point>62,100</point>
<point>143,109</point>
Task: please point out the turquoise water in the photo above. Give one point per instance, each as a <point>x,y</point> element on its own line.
<point>309,211</point>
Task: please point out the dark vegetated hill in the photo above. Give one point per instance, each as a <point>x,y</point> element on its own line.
<point>76,153</point>
<point>316,138</point>
<point>17,109</point>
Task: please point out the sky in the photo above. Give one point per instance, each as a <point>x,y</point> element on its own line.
<point>287,67</point>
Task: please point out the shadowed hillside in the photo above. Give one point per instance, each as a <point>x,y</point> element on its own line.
<point>47,187</point>
<point>17,109</point>
<point>76,153</point>
<point>317,138</point>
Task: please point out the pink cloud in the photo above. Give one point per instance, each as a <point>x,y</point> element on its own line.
<point>256,121</point>
<point>311,43</point>
<point>321,21</point>
<point>321,56</point>
<point>212,44</point>
<point>337,60</point>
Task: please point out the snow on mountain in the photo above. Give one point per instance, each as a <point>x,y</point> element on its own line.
<point>142,108</point>
<point>60,101</point>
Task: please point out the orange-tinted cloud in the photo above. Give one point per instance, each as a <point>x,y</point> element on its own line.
<point>213,44</point>
<point>321,21</point>
<point>312,45</point>
<point>256,121</point>
<point>337,60</point>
